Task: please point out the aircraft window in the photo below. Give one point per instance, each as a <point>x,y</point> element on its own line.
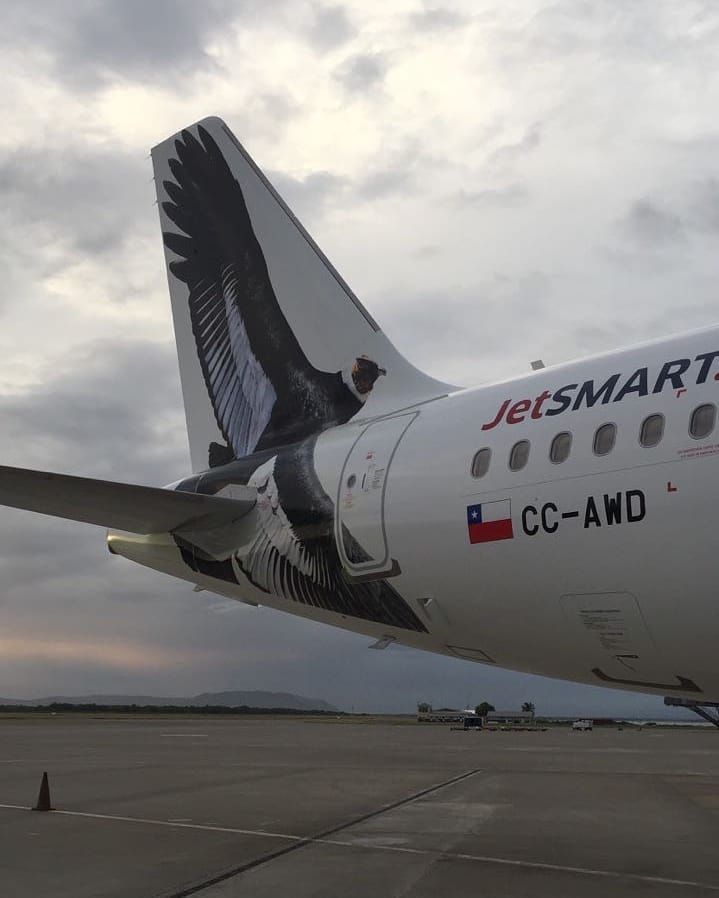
<point>652,431</point>
<point>604,439</point>
<point>519,455</point>
<point>702,421</point>
<point>480,462</point>
<point>559,450</point>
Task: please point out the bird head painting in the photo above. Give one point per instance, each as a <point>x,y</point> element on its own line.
<point>362,377</point>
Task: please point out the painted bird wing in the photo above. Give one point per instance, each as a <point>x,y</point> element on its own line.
<point>294,554</point>
<point>249,355</point>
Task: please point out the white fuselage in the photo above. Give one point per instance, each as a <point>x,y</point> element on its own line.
<point>606,573</point>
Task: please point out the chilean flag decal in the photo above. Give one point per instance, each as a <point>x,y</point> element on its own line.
<point>490,521</point>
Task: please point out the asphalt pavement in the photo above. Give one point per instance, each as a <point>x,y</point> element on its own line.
<point>247,807</point>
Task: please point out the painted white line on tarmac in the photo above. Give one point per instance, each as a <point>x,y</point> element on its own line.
<point>531,865</point>
<point>171,823</point>
<point>444,855</point>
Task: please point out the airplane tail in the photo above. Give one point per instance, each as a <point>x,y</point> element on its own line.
<point>273,345</point>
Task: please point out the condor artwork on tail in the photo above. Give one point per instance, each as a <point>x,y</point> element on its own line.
<point>264,391</point>
<point>333,480</point>
<point>265,394</point>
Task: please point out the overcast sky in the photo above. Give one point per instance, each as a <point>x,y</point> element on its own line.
<point>497,181</point>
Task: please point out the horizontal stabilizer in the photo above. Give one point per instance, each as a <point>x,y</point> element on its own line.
<point>120,506</point>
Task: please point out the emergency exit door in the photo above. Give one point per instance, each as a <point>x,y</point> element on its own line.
<point>360,520</point>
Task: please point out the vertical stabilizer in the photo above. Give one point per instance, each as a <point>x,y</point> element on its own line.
<point>273,345</point>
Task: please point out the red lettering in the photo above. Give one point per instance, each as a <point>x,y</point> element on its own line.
<point>538,403</point>
<point>516,413</point>
<point>500,414</point>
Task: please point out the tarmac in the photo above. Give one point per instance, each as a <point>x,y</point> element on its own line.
<point>220,808</point>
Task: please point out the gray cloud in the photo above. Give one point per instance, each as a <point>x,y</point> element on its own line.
<point>73,205</point>
<point>658,226</point>
<point>516,303</point>
<point>308,197</point>
<point>437,19</point>
<point>37,551</point>
<point>509,153</point>
<point>87,201</point>
<point>114,412</point>
<point>274,106</point>
<point>330,27</point>
<point>384,182</point>
<point>492,197</point>
<point>703,206</point>
<point>427,251</point>
<point>311,196</point>
<point>666,230</point>
<point>643,31</point>
<point>94,41</point>
<point>260,117</point>
<point>362,72</point>
<point>652,225</point>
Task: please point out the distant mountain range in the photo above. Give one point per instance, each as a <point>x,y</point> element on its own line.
<point>234,699</point>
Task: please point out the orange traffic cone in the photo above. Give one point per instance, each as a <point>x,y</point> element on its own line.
<point>43,798</point>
